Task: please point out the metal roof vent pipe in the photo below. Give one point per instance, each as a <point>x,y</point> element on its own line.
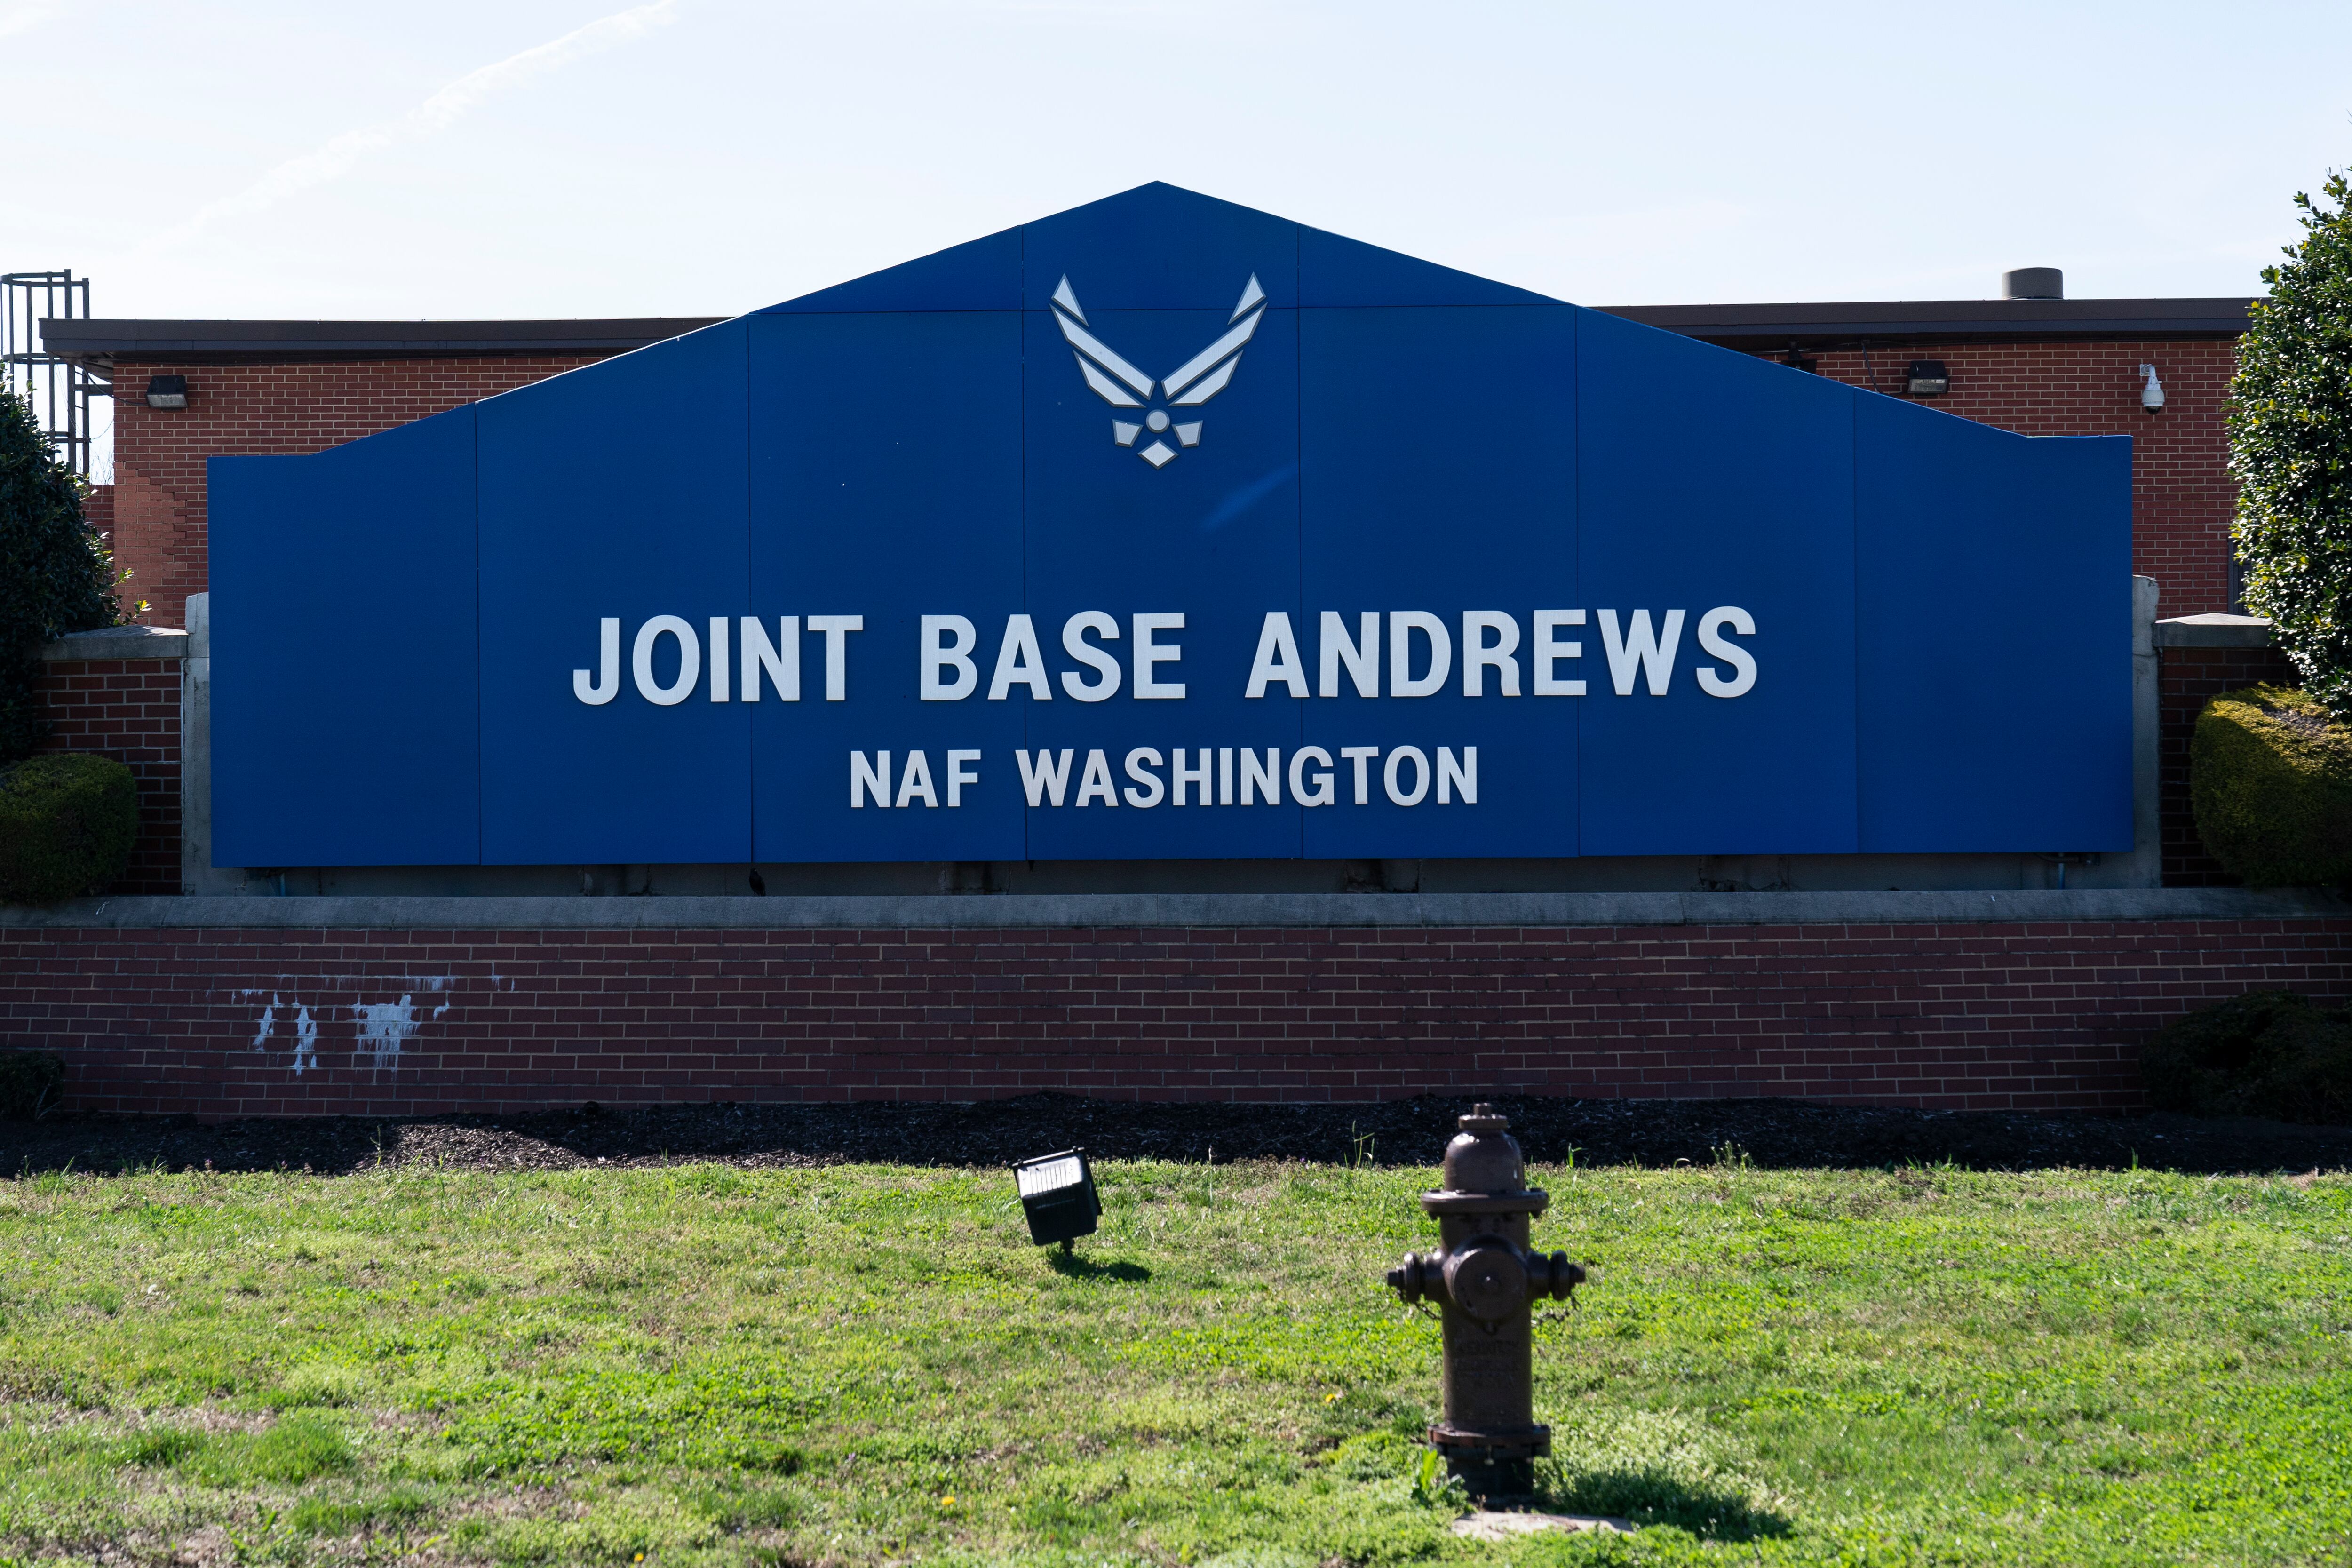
<point>2033,283</point>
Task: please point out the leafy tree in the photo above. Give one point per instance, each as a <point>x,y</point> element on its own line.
<point>2290,449</point>
<point>54,572</point>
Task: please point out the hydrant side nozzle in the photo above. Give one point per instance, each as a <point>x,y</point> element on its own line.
<point>1565,1276</point>
<point>1420,1277</point>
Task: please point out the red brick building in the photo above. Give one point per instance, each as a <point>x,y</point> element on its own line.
<point>287,388</point>
<point>2047,367</point>
<point>2041,367</point>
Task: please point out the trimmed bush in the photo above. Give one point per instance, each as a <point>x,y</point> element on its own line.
<point>2269,777</point>
<point>67,825</point>
<point>2194,1060</point>
<point>30,1083</point>
<point>54,570</point>
<point>2290,413</point>
<point>2268,1053</point>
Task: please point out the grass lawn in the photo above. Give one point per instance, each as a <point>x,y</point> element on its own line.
<point>868,1363</point>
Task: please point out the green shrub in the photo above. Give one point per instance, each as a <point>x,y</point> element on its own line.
<point>2270,776</point>
<point>67,825</point>
<point>30,1083</point>
<point>2290,415</point>
<point>2268,1053</point>
<point>55,573</point>
<point>2195,1059</point>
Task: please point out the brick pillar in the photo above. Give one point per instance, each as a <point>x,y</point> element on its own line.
<point>2192,676</point>
<point>127,708</point>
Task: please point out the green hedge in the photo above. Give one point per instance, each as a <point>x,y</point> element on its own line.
<point>2269,1053</point>
<point>2271,781</point>
<point>2290,417</point>
<point>31,1082</point>
<point>54,570</point>
<point>67,825</point>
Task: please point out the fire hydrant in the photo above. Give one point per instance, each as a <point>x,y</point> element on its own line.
<point>1485,1282</point>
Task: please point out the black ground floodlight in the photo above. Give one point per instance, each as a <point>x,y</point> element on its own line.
<point>1057,1194</point>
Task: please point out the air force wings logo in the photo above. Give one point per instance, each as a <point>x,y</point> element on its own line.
<point>1122,385</point>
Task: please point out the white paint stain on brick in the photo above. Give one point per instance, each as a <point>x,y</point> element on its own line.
<point>306,1030</point>
<point>306,1041</point>
<point>384,1029</point>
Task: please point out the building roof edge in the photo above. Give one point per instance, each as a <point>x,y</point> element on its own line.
<point>105,340</point>
<point>1813,324</point>
<point>101,342</point>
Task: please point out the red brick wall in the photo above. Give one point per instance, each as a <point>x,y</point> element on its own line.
<point>97,511</point>
<point>159,454</point>
<point>2182,498</point>
<point>1977,1015</point>
<point>2188,678</point>
<point>127,708</point>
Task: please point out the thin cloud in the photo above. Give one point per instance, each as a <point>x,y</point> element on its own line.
<point>25,18</point>
<point>435,115</point>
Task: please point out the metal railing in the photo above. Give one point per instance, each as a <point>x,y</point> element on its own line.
<point>58,390</point>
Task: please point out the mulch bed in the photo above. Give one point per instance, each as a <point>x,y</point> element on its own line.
<point>1770,1133</point>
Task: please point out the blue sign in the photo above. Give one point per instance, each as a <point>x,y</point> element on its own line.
<point>1165,528</point>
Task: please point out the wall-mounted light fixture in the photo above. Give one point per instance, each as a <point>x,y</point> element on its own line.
<point>2152,397</point>
<point>167,392</point>
<point>1927,378</point>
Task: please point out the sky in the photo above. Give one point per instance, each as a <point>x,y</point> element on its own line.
<point>549,158</point>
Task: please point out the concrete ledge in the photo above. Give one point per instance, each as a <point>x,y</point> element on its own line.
<point>2213,631</point>
<point>1128,910</point>
<point>120,642</point>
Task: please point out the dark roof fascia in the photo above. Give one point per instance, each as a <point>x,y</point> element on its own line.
<point>106,341</point>
<point>1762,327</point>
<point>102,343</point>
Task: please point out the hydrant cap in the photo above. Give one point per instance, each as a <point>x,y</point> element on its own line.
<point>1484,1158</point>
